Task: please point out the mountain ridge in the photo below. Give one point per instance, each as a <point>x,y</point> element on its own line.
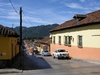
<point>35,31</point>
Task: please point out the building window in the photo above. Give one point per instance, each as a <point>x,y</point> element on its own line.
<point>79,41</point>
<point>66,41</point>
<point>51,39</point>
<point>54,39</point>
<point>69,40</point>
<point>59,39</point>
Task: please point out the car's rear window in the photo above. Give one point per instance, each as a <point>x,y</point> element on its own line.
<point>61,51</point>
<point>45,51</point>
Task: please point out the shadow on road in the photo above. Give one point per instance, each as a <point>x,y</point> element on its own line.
<point>31,62</point>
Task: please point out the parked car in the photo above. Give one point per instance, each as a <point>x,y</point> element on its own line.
<point>36,52</point>
<point>45,53</point>
<point>60,53</point>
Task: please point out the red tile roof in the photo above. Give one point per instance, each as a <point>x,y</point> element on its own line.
<point>37,44</point>
<point>93,17</point>
<point>8,32</point>
<point>46,40</point>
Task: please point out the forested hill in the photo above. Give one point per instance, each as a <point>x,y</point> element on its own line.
<point>36,31</point>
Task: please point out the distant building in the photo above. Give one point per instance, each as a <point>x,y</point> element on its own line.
<point>79,36</point>
<point>43,44</point>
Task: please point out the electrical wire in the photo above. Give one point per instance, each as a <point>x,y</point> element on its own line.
<point>26,18</point>
<point>13,6</point>
<point>18,13</point>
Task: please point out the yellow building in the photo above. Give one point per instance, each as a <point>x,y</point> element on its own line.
<point>43,44</point>
<point>79,36</point>
<point>9,47</point>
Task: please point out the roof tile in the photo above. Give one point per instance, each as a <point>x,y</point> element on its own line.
<point>93,17</point>
<point>8,32</point>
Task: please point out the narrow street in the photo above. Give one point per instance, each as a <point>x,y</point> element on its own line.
<point>46,65</point>
<point>67,67</point>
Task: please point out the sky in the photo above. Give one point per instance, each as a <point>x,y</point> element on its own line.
<point>43,12</point>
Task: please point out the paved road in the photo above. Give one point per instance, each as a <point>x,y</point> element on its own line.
<point>63,67</point>
<point>69,67</point>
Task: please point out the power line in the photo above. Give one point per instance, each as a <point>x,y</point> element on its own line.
<point>18,13</point>
<point>13,6</point>
<point>27,18</point>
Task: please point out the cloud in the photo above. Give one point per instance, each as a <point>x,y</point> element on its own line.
<point>93,3</point>
<point>5,4</point>
<point>74,5</point>
<point>53,13</point>
<point>2,10</point>
<point>37,20</point>
<point>12,15</point>
<point>53,0</point>
<point>90,7</point>
<point>12,12</point>
<point>44,16</point>
<point>82,0</point>
<point>9,15</point>
<point>97,8</point>
<point>71,12</point>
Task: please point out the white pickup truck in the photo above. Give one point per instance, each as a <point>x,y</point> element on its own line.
<point>60,53</point>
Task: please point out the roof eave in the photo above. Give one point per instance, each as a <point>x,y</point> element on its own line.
<point>75,26</point>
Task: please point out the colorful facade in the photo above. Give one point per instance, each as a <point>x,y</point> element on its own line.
<point>9,46</point>
<point>43,44</point>
<point>79,36</point>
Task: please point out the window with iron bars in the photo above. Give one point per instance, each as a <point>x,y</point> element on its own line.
<point>59,39</point>
<point>80,41</point>
<point>68,40</point>
<point>51,39</point>
<point>54,39</point>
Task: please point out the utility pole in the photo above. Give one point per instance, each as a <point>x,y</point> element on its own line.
<point>21,51</point>
<point>12,26</point>
<point>21,26</point>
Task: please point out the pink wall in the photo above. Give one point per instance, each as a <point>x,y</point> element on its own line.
<point>75,52</point>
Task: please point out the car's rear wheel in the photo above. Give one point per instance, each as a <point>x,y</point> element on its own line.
<point>58,57</point>
<point>53,56</point>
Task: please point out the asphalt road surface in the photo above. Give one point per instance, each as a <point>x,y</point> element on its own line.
<point>46,65</point>
<point>65,67</point>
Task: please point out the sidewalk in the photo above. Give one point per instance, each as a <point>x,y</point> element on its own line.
<point>9,71</point>
<point>89,61</point>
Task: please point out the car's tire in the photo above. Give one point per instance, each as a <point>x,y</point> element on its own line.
<point>53,56</point>
<point>58,57</point>
<point>42,54</point>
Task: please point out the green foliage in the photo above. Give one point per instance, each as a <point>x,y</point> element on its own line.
<point>32,38</point>
<point>36,31</point>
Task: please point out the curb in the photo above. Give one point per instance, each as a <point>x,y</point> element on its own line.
<point>86,60</point>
